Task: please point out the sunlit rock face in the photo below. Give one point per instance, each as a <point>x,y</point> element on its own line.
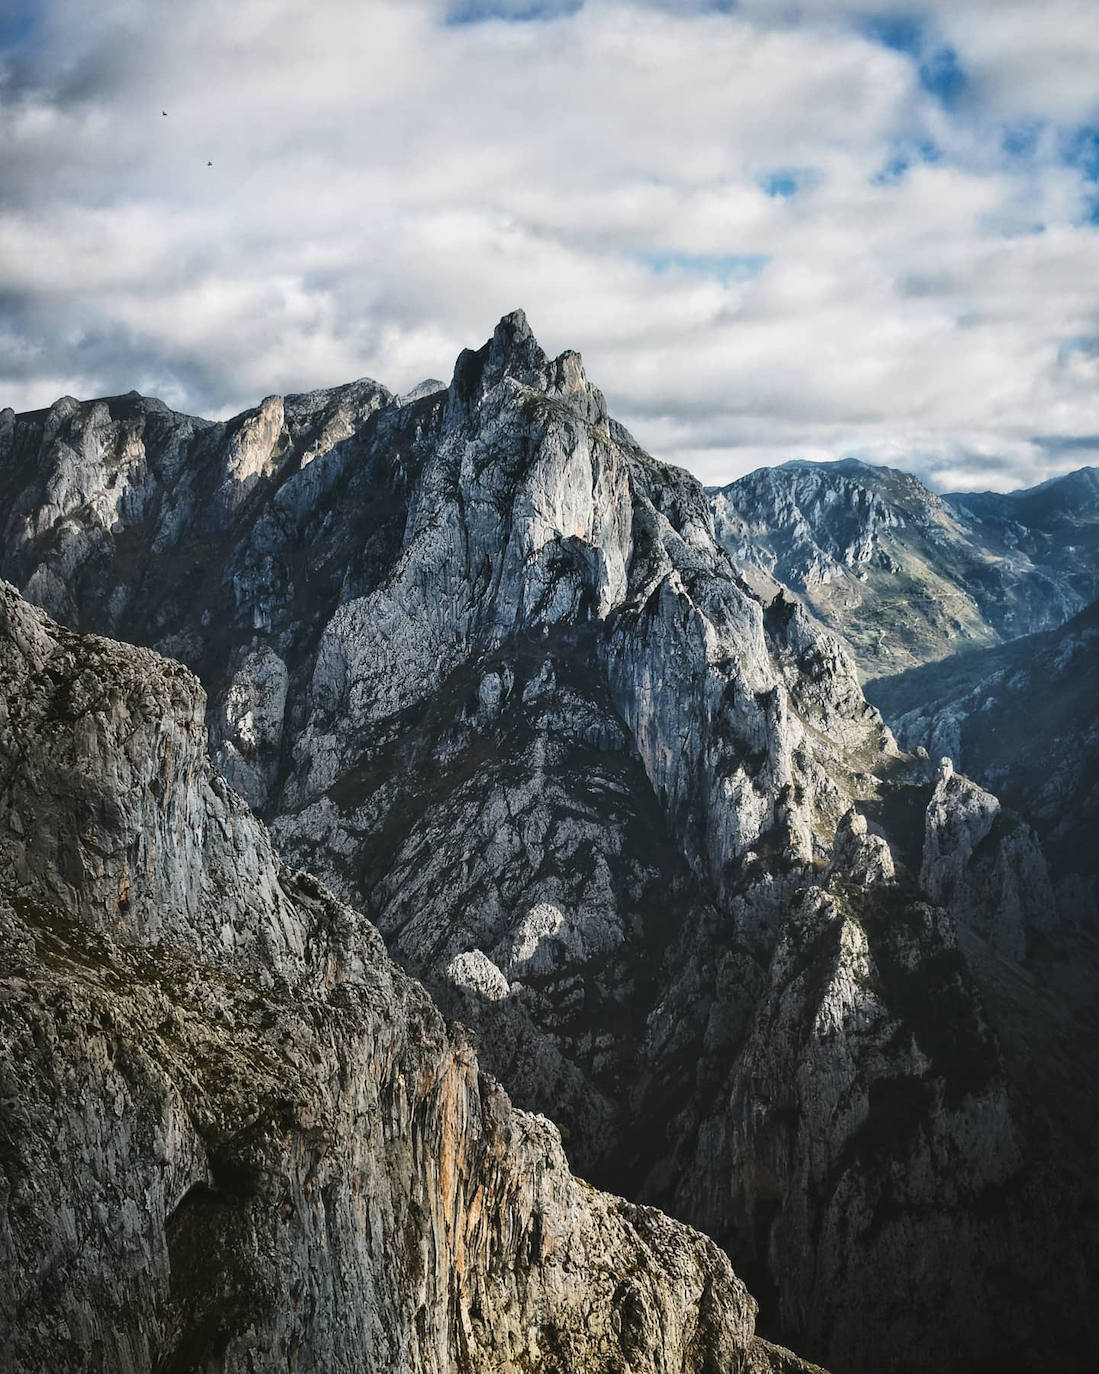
<point>237,1137</point>
<point>485,669</point>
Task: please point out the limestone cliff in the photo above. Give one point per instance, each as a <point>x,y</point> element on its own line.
<point>236,1136</point>
<point>485,669</point>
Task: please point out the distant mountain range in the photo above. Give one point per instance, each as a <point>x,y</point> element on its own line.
<point>973,618</point>
<point>908,577</point>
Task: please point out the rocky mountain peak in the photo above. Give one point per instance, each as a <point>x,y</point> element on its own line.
<point>612,793</point>
<point>513,352</point>
<point>428,387</point>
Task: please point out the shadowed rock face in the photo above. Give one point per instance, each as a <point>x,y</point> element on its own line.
<point>484,668</point>
<point>236,1135</point>
<point>1024,720</point>
<point>908,577</point>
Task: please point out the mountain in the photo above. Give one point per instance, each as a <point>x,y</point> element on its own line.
<point>908,577</point>
<point>1053,524</point>
<point>236,1136</point>
<point>485,670</point>
<point>432,672</point>
<point>1023,718</point>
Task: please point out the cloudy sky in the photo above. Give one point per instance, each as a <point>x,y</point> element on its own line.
<point>773,230</point>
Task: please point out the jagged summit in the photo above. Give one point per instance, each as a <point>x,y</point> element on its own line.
<point>514,352</point>
<point>513,330</point>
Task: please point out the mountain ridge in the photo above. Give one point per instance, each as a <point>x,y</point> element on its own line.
<point>483,666</point>
<point>907,576</point>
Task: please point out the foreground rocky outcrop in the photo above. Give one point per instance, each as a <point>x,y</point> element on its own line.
<point>486,670</point>
<point>235,1135</point>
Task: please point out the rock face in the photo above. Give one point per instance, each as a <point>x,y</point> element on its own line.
<point>985,866</point>
<point>236,1135</point>
<point>485,669</point>
<point>1024,720</point>
<point>474,656</point>
<point>908,577</point>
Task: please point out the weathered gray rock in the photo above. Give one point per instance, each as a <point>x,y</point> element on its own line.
<point>251,725</point>
<point>1023,720</point>
<point>859,856</point>
<point>985,865</point>
<point>591,787</point>
<point>236,1136</point>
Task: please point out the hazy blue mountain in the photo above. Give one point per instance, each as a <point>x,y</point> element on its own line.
<point>904,575</point>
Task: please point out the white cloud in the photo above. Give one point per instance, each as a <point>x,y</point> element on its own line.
<point>385,184</point>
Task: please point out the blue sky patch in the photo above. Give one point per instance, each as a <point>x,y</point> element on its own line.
<point>724,268</point>
<point>940,69</point>
<point>901,32</point>
<point>18,19</point>
<point>904,157</point>
<point>510,11</point>
<point>1082,150</point>
<point>942,74</point>
<point>1021,140</point>
<point>780,184</point>
<point>785,182</point>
